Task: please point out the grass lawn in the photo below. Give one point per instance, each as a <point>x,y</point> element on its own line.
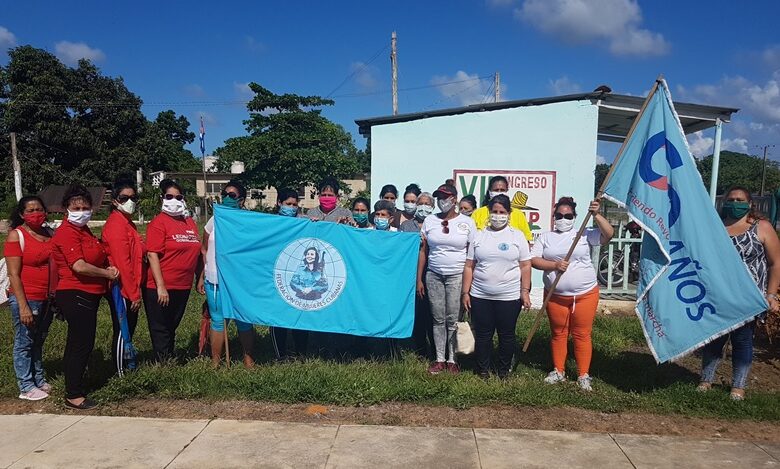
<point>626,377</point>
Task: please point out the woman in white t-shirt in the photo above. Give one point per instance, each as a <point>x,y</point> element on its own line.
<point>572,307</point>
<point>233,196</point>
<point>496,285</point>
<point>446,237</point>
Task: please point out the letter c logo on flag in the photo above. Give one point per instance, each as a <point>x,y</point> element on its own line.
<point>659,181</point>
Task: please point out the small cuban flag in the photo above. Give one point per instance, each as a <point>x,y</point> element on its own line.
<point>202,137</point>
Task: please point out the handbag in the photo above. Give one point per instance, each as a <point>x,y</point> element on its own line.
<point>464,338</point>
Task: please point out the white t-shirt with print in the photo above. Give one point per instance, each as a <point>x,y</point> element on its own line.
<point>580,276</point>
<point>211,253</point>
<point>447,251</point>
<point>497,256</point>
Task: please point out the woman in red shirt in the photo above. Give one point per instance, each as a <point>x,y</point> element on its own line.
<point>83,278</point>
<point>27,252</point>
<point>126,251</point>
<point>174,255</point>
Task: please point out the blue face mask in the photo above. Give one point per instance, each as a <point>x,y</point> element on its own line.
<point>381,223</point>
<point>288,211</point>
<point>230,202</point>
<point>360,218</point>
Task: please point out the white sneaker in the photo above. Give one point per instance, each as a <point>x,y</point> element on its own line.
<point>33,394</point>
<point>585,382</point>
<point>554,377</point>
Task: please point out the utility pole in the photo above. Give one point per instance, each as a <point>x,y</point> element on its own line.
<point>17,168</point>
<point>763,170</point>
<point>394,65</point>
<point>498,87</point>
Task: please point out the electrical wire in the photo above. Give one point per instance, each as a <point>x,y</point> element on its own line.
<point>357,70</point>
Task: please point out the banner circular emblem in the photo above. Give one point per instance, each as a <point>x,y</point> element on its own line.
<point>309,274</point>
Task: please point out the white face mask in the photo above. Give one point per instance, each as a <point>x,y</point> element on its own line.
<point>79,218</point>
<point>492,194</point>
<point>173,207</point>
<point>498,221</point>
<point>564,225</point>
<point>423,211</point>
<point>410,207</point>
<point>445,205</point>
<point>128,207</point>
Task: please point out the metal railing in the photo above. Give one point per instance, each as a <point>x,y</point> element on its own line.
<point>617,264</point>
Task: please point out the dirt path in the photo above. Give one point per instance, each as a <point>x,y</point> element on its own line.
<point>561,419</point>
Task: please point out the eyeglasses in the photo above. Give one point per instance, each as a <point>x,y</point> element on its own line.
<point>124,198</point>
<point>171,197</point>
<point>232,195</point>
<point>445,226</point>
<point>568,216</point>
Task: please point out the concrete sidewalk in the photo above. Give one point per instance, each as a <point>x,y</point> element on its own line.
<point>75,441</point>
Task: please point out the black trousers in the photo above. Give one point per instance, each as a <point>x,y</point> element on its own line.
<point>422,332</point>
<point>487,318</point>
<point>163,320</point>
<point>279,337</point>
<point>80,311</point>
<point>132,322</point>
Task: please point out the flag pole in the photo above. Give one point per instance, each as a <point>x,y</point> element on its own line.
<point>586,221</point>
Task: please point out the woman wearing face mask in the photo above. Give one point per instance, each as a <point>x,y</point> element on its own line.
<point>27,252</point>
<point>83,279</point>
<point>174,255</point>
<point>126,251</point>
<point>422,333</point>
<point>446,237</point>
<point>360,213</point>
<point>499,185</point>
<point>572,307</point>
<point>756,241</point>
<point>287,203</point>
<point>411,193</point>
<point>496,285</point>
<point>328,210</point>
<point>233,196</point>
<point>383,215</point>
<point>467,205</point>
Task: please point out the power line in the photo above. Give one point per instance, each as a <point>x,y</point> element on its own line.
<point>224,103</point>
<point>358,70</point>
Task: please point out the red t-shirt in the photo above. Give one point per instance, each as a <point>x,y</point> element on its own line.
<point>177,243</point>
<point>72,243</point>
<point>126,252</point>
<point>35,264</point>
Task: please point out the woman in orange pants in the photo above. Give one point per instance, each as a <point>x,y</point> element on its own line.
<point>572,307</point>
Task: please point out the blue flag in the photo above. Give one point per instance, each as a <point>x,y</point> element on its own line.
<point>693,286</point>
<point>317,276</point>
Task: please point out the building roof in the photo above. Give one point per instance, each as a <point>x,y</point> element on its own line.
<point>616,113</point>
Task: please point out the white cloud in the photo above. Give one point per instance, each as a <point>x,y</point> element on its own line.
<point>734,144</point>
<point>194,91</point>
<point>243,90</point>
<point>600,160</point>
<point>615,23</point>
<point>71,52</point>
<point>365,75</point>
<point>466,88</point>
<point>7,39</point>
<point>562,86</point>
<point>760,100</point>
<point>771,56</point>
<point>700,145</point>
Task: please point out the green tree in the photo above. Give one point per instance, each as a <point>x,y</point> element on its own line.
<point>740,169</point>
<point>76,125</point>
<point>290,143</point>
<point>600,173</point>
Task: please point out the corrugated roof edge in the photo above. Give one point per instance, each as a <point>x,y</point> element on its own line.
<point>364,125</point>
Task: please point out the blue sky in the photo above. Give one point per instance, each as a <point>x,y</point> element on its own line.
<point>718,52</point>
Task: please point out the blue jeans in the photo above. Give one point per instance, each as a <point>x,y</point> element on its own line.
<point>217,318</point>
<point>28,345</point>
<point>741,355</point>
<point>444,297</point>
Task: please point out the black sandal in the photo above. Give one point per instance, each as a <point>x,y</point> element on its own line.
<point>86,404</point>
